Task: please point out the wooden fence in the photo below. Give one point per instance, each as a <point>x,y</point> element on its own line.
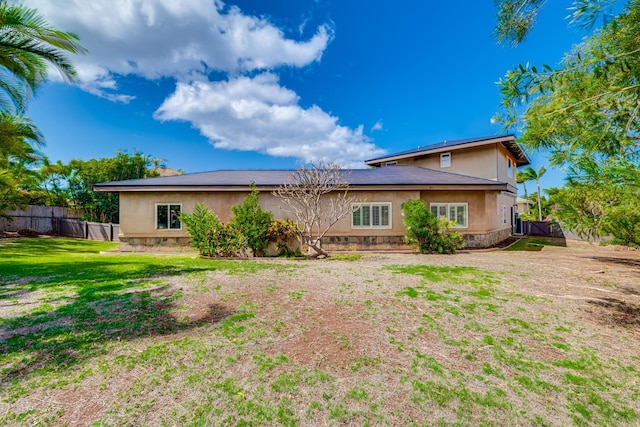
<point>58,221</point>
<point>88,230</point>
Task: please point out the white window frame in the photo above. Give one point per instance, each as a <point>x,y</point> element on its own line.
<point>445,160</point>
<point>394,163</point>
<point>358,207</point>
<point>168,205</point>
<point>504,214</point>
<point>509,167</point>
<point>447,207</point>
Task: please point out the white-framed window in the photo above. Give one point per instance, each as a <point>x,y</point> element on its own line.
<point>504,214</point>
<point>394,163</point>
<point>168,216</point>
<point>371,215</point>
<point>445,160</point>
<point>458,212</point>
<point>509,167</point>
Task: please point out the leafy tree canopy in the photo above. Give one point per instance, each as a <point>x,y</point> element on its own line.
<point>18,136</point>
<point>83,174</point>
<point>28,46</point>
<point>585,112</point>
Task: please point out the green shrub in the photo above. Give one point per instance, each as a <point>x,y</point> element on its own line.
<point>231,240</point>
<point>253,222</point>
<point>428,233</point>
<point>202,225</point>
<point>211,237</point>
<point>282,232</point>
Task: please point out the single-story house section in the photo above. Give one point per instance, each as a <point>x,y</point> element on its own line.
<point>482,206</point>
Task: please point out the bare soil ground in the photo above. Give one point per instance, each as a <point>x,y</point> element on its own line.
<point>346,318</point>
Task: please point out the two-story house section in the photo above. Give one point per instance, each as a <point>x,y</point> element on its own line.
<point>471,182</point>
<point>490,157</point>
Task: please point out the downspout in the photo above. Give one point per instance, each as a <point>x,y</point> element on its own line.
<point>497,163</point>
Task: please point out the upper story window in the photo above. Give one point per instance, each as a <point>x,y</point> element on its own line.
<point>445,160</point>
<point>509,167</point>
<point>168,216</point>
<point>391,164</point>
<point>457,212</point>
<point>371,215</point>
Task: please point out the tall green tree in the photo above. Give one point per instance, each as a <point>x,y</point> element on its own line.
<point>52,185</point>
<point>586,111</point>
<point>18,157</point>
<point>601,201</point>
<point>522,177</point>
<point>104,207</point>
<point>28,47</point>
<point>530,174</point>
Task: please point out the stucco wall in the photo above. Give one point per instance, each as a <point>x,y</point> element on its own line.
<point>503,166</point>
<point>138,226</point>
<point>476,206</point>
<point>137,210</point>
<point>486,161</point>
<point>474,161</point>
<point>507,200</point>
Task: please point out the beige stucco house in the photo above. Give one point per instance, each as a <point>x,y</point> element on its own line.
<point>470,181</point>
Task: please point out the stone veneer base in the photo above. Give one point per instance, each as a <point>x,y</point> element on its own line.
<point>331,243</point>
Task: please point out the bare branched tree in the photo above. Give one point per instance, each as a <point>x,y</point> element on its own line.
<point>317,197</point>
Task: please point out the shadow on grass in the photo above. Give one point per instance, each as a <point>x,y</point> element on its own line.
<point>26,247</point>
<point>80,302</point>
<point>536,243</point>
<point>619,312</point>
<point>58,339</point>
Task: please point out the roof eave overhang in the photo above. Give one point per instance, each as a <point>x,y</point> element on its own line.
<point>173,188</point>
<point>432,187</point>
<point>508,141</point>
<point>368,187</point>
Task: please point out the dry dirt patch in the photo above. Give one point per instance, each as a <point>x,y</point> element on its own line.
<point>347,319</point>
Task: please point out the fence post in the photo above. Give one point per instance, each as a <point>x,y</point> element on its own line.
<point>86,230</point>
<point>110,232</point>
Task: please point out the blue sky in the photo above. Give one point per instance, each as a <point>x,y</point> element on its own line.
<point>206,84</point>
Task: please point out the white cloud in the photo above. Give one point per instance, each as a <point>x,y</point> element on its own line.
<point>186,40</point>
<point>377,126</point>
<point>257,114</point>
<point>172,38</point>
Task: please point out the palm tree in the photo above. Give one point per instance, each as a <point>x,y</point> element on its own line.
<point>27,46</point>
<point>521,178</point>
<point>18,136</point>
<point>530,174</point>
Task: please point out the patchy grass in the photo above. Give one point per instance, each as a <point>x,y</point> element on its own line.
<point>534,244</point>
<point>450,274</point>
<point>93,339</point>
<point>340,256</point>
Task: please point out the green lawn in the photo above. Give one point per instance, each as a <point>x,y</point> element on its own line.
<point>534,244</point>
<point>122,339</point>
